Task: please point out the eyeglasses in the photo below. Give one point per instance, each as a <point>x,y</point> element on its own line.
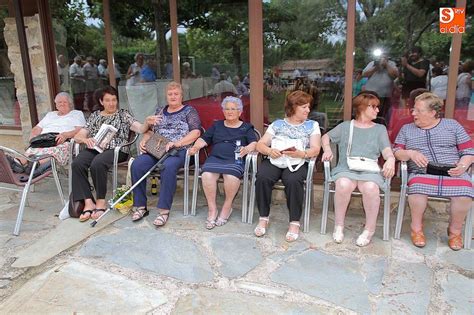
<point>417,111</point>
<point>374,107</point>
<point>231,109</point>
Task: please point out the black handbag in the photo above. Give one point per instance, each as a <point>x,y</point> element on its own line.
<point>44,140</point>
<point>439,169</point>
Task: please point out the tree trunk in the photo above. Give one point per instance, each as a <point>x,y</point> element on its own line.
<point>236,54</point>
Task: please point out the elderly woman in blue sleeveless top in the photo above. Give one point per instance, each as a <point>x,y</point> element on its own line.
<point>223,136</point>
<point>306,136</point>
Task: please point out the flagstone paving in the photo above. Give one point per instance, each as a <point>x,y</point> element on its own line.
<point>131,267</point>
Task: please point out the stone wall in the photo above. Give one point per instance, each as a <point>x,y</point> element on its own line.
<point>38,68</point>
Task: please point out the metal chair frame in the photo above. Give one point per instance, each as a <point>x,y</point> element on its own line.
<point>402,205</point>
<point>308,185</point>
<point>329,188</point>
<point>9,177</point>
<point>245,181</point>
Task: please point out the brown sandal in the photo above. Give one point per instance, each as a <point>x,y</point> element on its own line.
<point>139,213</point>
<point>454,241</point>
<point>161,219</point>
<point>418,238</point>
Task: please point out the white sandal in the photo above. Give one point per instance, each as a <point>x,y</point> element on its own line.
<point>338,234</point>
<point>260,231</point>
<point>364,238</point>
<point>291,236</point>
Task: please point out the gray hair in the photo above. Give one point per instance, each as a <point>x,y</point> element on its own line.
<point>432,101</point>
<point>66,95</point>
<point>232,99</point>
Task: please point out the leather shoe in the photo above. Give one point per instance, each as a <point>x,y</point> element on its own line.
<point>454,241</point>
<point>418,238</point>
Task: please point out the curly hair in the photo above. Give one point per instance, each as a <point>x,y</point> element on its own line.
<point>432,101</point>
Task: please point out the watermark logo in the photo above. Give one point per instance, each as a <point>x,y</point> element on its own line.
<point>452,20</point>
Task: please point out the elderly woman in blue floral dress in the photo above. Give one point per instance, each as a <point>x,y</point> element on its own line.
<point>431,139</point>
<point>180,124</point>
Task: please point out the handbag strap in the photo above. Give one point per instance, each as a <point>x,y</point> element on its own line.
<point>349,144</point>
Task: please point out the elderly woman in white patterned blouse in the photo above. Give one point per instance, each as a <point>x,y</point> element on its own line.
<point>294,128</point>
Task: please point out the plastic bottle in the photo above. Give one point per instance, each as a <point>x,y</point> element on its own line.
<point>238,158</point>
<point>154,186</point>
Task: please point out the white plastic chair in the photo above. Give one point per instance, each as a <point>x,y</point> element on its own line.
<point>402,205</point>
<point>308,187</point>
<point>329,188</point>
<point>245,181</point>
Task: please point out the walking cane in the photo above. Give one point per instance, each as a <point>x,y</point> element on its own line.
<point>159,165</point>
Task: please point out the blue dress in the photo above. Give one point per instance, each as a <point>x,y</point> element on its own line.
<point>222,139</point>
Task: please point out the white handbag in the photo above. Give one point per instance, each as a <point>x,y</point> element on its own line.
<point>360,163</point>
<point>281,143</point>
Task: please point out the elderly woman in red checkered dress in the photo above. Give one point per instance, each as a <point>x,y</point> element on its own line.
<point>431,139</point>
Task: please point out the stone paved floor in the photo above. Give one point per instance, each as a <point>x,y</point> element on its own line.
<point>125,267</point>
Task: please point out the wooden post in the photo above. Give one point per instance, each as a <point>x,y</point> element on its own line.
<point>350,39</point>
<point>256,63</point>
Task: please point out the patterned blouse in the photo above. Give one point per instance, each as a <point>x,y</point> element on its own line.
<point>175,126</point>
<point>121,119</point>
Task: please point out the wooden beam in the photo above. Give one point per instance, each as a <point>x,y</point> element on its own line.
<point>454,57</point>
<point>108,43</point>
<point>25,60</point>
<point>256,63</point>
<point>174,40</point>
<point>350,41</point>
<point>47,35</point>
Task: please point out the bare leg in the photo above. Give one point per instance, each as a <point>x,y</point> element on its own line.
<point>209,183</point>
<point>459,209</point>
<point>231,187</point>
<point>371,200</point>
<point>418,205</point>
<point>342,197</point>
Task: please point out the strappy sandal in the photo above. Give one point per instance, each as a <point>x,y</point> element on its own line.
<point>418,238</point>
<point>139,213</point>
<point>454,241</point>
<point>210,224</point>
<point>97,213</point>
<point>259,230</point>
<point>85,215</point>
<point>221,221</point>
<point>291,236</point>
<point>161,219</point>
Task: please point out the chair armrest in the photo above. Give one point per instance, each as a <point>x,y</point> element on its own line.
<point>404,172</point>
<point>327,170</point>
<point>311,169</point>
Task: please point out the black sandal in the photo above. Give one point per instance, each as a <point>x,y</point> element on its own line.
<point>96,211</point>
<point>139,213</point>
<point>84,219</point>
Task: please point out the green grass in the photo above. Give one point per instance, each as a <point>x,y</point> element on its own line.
<point>277,101</point>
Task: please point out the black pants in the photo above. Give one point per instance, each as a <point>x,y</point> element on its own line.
<point>98,164</point>
<point>268,175</point>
